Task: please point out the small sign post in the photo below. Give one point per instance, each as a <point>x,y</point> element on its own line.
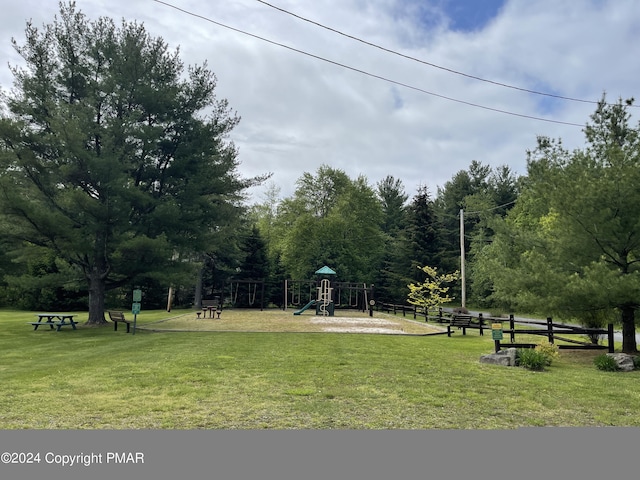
<point>496,334</point>
<point>135,307</point>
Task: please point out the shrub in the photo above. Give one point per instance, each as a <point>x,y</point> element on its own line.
<point>636,362</point>
<point>531,359</point>
<point>549,350</point>
<point>606,363</point>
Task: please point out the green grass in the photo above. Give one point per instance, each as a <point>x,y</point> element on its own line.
<point>95,378</point>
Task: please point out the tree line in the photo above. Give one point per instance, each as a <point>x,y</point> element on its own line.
<point>117,172</point>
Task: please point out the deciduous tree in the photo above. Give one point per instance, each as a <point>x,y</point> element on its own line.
<point>433,291</point>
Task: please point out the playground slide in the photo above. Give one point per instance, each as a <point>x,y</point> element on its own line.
<point>310,304</point>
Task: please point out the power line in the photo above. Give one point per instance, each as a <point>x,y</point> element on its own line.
<point>449,215</point>
<point>379,77</point>
<point>492,208</point>
<point>409,57</point>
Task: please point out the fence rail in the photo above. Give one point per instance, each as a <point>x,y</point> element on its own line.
<point>553,331</point>
<point>558,331</point>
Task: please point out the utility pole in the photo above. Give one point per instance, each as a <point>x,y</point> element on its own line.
<point>462,276</point>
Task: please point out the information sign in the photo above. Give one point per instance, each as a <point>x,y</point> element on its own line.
<point>496,331</point>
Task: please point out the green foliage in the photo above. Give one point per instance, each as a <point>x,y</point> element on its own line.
<point>605,363</point>
<point>433,292</point>
<point>486,196</point>
<point>571,243</point>
<point>391,279</point>
<point>393,198</point>
<point>45,283</point>
<point>550,352</point>
<point>531,359</point>
<point>417,243</point>
<point>106,158</point>
<point>331,220</point>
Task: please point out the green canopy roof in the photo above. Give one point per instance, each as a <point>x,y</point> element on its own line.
<point>325,271</point>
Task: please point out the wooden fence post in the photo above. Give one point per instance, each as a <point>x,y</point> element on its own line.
<point>610,337</point>
<point>512,326</point>
<point>550,329</point>
<point>480,321</point>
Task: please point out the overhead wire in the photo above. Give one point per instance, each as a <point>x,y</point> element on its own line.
<point>369,74</point>
<point>491,209</point>
<point>424,62</point>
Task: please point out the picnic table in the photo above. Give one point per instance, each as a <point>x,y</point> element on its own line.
<point>57,320</point>
<point>210,306</point>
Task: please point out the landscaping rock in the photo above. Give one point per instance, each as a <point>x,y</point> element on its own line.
<point>503,357</point>
<point>624,361</point>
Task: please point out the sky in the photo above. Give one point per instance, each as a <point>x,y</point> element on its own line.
<point>415,89</point>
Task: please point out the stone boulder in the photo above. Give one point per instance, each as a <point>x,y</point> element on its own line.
<point>624,361</point>
<point>503,357</point>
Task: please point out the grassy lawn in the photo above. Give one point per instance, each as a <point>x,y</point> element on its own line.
<point>274,370</point>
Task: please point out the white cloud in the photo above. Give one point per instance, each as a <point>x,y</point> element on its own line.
<point>299,112</point>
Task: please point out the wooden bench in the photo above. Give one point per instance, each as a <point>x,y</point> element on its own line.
<point>118,317</point>
<point>461,321</point>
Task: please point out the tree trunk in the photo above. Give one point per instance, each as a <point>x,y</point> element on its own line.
<point>197,301</point>
<point>628,330</point>
<point>97,288</point>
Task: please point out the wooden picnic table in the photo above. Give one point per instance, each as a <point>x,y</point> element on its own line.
<point>57,320</point>
<point>210,306</point>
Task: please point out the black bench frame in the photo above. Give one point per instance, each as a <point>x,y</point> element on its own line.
<point>461,321</point>
<point>118,317</point>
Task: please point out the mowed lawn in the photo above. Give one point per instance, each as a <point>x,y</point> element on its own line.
<point>177,372</point>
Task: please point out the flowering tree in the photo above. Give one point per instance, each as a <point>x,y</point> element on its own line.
<point>433,291</point>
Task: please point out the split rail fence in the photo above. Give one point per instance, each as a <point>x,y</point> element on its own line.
<point>553,331</point>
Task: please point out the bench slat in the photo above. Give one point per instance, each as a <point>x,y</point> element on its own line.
<point>460,321</point>
<point>117,316</point>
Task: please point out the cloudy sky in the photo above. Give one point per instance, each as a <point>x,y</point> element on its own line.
<point>416,89</point>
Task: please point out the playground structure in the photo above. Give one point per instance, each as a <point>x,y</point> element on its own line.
<point>323,294</point>
<point>323,302</point>
<point>326,296</point>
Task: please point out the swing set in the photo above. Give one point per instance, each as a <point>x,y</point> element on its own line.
<point>345,295</point>
<point>352,295</point>
<point>244,293</point>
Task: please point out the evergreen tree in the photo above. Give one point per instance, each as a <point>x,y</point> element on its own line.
<point>106,156</point>
<point>571,244</point>
<point>420,242</point>
<point>391,284</point>
<point>254,270</point>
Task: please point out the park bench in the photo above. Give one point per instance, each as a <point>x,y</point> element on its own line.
<point>118,317</point>
<point>461,321</point>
